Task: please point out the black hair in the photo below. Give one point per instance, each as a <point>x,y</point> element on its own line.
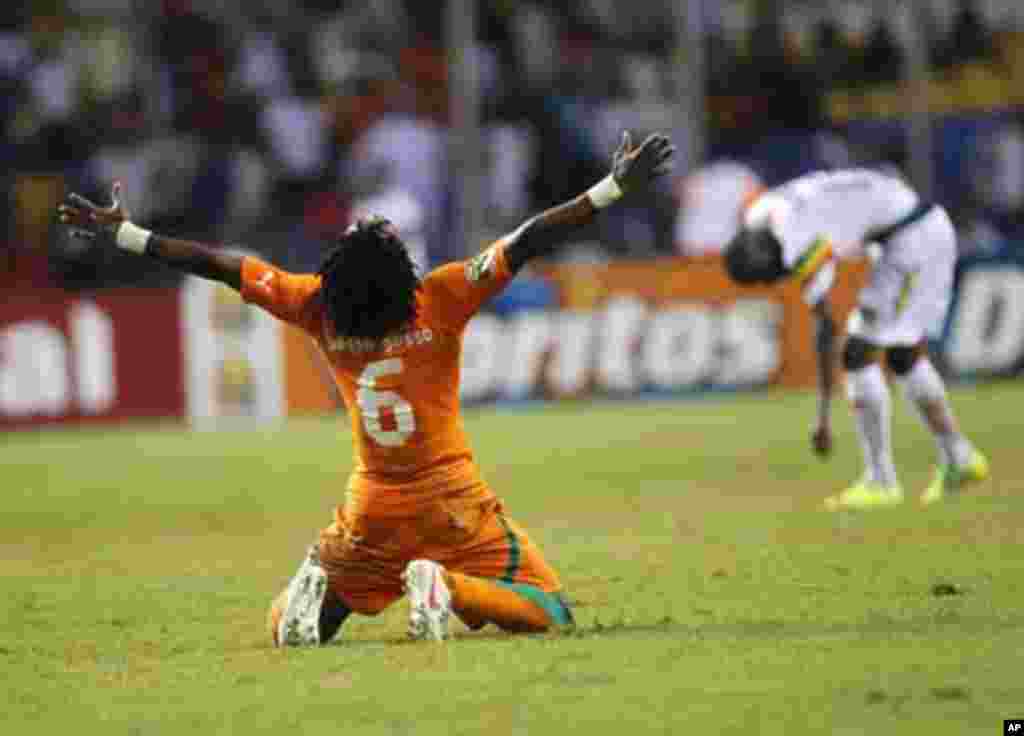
<point>369,282</point>
<point>754,256</point>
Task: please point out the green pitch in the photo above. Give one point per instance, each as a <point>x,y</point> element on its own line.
<point>712,596</point>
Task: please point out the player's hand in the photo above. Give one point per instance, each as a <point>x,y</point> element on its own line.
<point>821,441</point>
<point>87,220</point>
<point>635,168</point>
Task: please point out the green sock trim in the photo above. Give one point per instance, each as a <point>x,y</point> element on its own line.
<point>554,604</point>
<point>512,568</point>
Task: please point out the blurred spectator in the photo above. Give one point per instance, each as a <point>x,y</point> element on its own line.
<point>834,56</point>
<point>380,194</point>
<point>976,234</point>
<point>711,203</point>
<point>510,158</point>
<point>969,39</point>
<point>1000,171</point>
<point>193,51</point>
<point>884,62</point>
<point>409,145</point>
<point>642,106</point>
<point>262,67</point>
<point>270,123</point>
<point>568,157</point>
<point>156,172</point>
<point>647,25</point>
<point>297,136</point>
<point>535,35</point>
<point>381,24</point>
<point>105,74</point>
<point>851,39</point>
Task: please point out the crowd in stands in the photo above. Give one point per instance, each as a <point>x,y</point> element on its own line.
<point>273,124</point>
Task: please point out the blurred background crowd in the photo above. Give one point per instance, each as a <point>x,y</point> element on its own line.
<point>273,123</point>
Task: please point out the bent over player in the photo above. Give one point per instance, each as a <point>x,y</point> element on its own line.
<point>790,232</point>
<point>418,517</point>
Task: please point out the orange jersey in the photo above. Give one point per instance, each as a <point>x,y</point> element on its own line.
<point>402,392</point>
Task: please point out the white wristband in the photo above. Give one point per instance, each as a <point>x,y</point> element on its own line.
<point>132,237</point>
<point>605,192</point>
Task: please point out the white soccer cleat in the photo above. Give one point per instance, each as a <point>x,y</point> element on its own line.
<point>430,601</point>
<point>299,625</point>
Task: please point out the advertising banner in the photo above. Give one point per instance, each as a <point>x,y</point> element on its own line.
<point>241,362</point>
<point>90,357</point>
<point>198,352</point>
<point>985,336</point>
<point>618,329</point>
<point>655,326</point>
<point>232,354</point>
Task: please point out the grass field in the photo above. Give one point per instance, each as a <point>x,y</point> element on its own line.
<point>712,596</point>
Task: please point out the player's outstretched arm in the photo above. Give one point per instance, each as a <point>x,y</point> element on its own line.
<point>89,220</point>
<point>824,346</point>
<point>633,169</point>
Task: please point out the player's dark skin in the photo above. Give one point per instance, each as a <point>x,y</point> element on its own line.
<point>633,168</point>
<point>90,219</point>
<point>824,343</point>
<point>758,260</point>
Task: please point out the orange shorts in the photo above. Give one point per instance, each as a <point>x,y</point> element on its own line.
<point>364,554</point>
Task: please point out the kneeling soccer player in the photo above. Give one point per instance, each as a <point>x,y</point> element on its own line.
<point>418,517</point>
<point>789,231</point>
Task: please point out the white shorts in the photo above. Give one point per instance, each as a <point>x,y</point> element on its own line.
<point>910,285</point>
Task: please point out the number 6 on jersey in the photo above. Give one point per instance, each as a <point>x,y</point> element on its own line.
<point>375,404</point>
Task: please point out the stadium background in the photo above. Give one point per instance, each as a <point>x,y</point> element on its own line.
<point>272,125</point>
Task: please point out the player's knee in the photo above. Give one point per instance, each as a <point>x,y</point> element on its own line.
<point>901,360</point>
<point>858,353</point>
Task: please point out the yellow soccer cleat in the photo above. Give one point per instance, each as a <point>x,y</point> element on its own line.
<point>865,495</point>
<point>950,480</point>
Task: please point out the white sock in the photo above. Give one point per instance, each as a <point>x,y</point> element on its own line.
<point>923,387</point>
<point>872,408</point>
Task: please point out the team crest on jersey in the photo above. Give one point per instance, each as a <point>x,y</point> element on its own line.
<point>481,267</point>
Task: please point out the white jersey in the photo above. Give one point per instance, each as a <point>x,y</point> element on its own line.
<point>820,214</point>
<point>910,283</point>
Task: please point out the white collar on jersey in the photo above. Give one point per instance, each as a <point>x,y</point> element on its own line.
<point>770,210</point>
